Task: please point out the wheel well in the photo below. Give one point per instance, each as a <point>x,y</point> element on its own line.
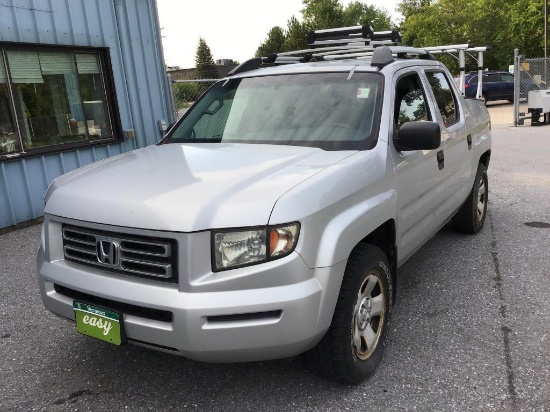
<point>384,238</point>
<point>485,158</point>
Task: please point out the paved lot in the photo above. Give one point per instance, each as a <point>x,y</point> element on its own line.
<point>471,328</point>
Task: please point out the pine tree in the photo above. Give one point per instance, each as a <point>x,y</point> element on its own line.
<point>273,43</point>
<point>204,62</point>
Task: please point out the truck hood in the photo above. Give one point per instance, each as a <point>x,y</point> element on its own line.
<point>186,187</point>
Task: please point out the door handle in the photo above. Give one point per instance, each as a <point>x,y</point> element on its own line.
<point>469,140</point>
<point>440,159</point>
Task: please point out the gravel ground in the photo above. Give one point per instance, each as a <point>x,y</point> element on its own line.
<point>470,329</point>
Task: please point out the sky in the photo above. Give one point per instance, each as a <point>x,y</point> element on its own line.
<point>232,29</point>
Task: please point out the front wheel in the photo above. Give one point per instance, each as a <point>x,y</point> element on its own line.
<point>354,344</point>
<point>471,216</point>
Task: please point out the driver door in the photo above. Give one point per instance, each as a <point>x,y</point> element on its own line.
<point>420,173</point>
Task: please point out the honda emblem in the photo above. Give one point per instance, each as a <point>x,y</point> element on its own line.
<point>107,252</point>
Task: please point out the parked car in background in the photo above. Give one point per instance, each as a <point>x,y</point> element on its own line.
<point>497,85</point>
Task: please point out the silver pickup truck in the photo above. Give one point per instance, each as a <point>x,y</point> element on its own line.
<point>272,219</point>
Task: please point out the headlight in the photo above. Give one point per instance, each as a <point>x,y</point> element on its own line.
<point>256,245</point>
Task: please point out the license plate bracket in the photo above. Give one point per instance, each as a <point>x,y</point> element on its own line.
<point>100,323</point>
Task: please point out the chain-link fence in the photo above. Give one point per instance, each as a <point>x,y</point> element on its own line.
<point>185,93</point>
<point>530,75</point>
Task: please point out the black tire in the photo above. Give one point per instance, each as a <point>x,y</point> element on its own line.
<point>359,312</point>
<point>471,216</point>
<point>484,99</point>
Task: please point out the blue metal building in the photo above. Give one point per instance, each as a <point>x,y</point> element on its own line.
<point>80,81</point>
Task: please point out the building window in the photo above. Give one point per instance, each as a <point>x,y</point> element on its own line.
<point>51,98</point>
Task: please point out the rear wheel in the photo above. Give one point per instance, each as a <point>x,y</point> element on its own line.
<point>484,99</point>
<point>354,344</point>
<point>471,216</point>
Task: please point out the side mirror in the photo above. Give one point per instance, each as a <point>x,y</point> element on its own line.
<point>418,136</point>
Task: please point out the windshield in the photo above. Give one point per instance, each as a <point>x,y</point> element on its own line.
<point>323,110</point>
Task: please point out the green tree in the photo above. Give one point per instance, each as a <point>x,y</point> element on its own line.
<point>273,44</point>
<point>409,7</point>
<point>327,14</point>
<point>295,35</point>
<point>204,62</point>
<point>525,24</point>
<point>358,14</point>
<point>321,14</point>
<point>502,24</point>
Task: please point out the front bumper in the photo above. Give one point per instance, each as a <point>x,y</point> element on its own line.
<point>249,324</point>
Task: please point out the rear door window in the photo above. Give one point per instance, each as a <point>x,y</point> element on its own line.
<point>444,97</point>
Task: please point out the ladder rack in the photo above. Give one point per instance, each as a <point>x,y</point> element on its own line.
<point>462,50</point>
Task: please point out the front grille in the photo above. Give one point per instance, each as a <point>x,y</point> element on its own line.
<point>141,256</point>
<point>140,311</point>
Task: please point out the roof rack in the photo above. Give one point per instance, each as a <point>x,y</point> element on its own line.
<point>349,35</point>
<point>362,42</point>
<point>273,59</point>
<point>399,52</point>
<point>345,42</point>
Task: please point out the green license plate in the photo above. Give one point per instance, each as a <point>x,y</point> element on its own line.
<point>98,323</point>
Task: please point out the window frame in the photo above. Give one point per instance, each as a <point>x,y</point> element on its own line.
<point>109,91</point>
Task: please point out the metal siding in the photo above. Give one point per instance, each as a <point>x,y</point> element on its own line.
<point>70,160</point>
<point>22,11</point>
<point>109,35</point>
<point>101,153</point>
<point>53,165</point>
<point>132,78</point>
<point>36,187</point>
<point>78,22</point>
<point>85,157</point>
<point>138,81</point>
<point>145,38</point>
<point>21,209</point>
<point>7,215</point>
<point>141,42</point>
<point>116,150</point>
<point>63,31</point>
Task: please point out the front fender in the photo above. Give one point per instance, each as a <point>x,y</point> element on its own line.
<point>341,232</point>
